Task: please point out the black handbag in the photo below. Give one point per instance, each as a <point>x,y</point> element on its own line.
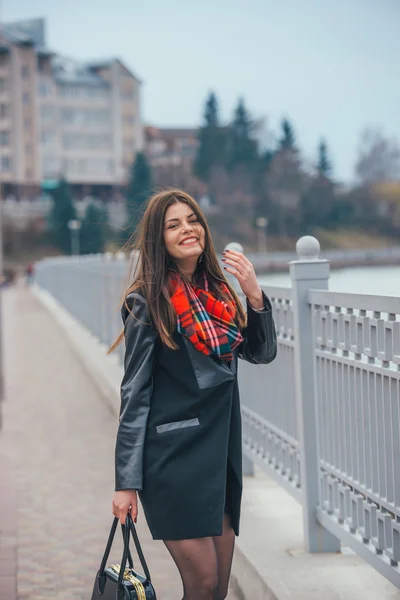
<point>119,582</point>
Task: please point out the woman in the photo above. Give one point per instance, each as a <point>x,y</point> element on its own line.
<point>179,437</point>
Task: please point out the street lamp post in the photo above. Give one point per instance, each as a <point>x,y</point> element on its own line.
<point>262,224</point>
<point>1,270</point>
<point>1,298</point>
<point>74,227</point>
<point>1,260</point>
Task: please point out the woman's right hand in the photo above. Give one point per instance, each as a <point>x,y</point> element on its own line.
<point>123,502</point>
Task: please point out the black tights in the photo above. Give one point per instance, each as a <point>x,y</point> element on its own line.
<point>205,564</point>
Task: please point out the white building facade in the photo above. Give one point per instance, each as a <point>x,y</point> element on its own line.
<point>64,118</point>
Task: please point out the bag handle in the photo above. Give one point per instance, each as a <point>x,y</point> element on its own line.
<point>101,578</point>
<point>130,561</point>
<point>108,546</point>
<point>120,595</point>
<point>138,547</point>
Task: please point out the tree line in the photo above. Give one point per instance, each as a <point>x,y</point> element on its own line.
<point>277,183</point>
<point>247,180</point>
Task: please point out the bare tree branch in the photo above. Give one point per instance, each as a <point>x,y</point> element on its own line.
<point>379,158</point>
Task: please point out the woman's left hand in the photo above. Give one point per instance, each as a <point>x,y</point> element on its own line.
<point>243,270</point>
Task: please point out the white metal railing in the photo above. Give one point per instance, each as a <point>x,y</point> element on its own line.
<point>357,367</point>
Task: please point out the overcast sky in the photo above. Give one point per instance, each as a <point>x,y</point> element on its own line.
<point>331,66</point>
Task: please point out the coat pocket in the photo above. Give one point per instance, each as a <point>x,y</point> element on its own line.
<point>177,425</point>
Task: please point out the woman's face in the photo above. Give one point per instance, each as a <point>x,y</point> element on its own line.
<point>183,234</point>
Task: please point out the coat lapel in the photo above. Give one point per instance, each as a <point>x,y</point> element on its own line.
<point>209,371</point>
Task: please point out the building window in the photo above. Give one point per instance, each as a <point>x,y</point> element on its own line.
<point>26,98</point>
<point>49,165</point>
<point>79,141</point>
<point>86,117</point>
<point>5,163</point>
<point>3,84</point>
<point>127,94</point>
<point>94,166</point>
<point>99,166</point>
<point>4,138</point>
<point>27,124</point>
<point>83,91</point>
<point>96,92</point>
<point>69,140</point>
<point>3,111</point>
<point>25,71</point>
<point>128,146</point>
<point>44,88</point>
<point>129,120</point>
<point>47,112</point>
<point>70,91</point>
<point>99,117</point>
<point>47,137</point>
<point>100,141</point>
<point>68,115</point>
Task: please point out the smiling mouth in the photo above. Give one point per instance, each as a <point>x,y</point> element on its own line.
<point>188,242</point>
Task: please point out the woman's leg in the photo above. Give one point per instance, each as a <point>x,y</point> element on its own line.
<point>197,564</point>
<point>224,546</point>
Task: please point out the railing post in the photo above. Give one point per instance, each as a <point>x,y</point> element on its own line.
<point>308,272</point>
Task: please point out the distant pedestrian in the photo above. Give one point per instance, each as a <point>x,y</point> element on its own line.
<point>179,438</point>
<point>9,277</point>
<point>29,273</point>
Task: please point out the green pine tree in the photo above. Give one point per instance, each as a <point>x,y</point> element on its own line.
<point>62,212</point>
<point>138,192</point>
<point>324,166</point>
<point>319,205</point>
<point>263,203</point>
<point>242,148</point>
<point>287,140</point>
<point>211,141</point>
<point>92,232</point>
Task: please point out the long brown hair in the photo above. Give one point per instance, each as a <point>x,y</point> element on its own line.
<point>150,274</point>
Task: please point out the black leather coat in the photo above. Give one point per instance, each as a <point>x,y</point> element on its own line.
<point>179,434</point>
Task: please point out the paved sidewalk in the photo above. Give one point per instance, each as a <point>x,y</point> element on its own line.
<point>8,533</point>
<point>57,448</point>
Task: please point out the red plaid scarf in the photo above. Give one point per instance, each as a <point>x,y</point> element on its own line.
<point>205,320</point>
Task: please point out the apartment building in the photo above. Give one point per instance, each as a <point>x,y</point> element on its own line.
<point>62,117</point>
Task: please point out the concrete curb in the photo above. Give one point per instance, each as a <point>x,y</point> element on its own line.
<point>246,581</point>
